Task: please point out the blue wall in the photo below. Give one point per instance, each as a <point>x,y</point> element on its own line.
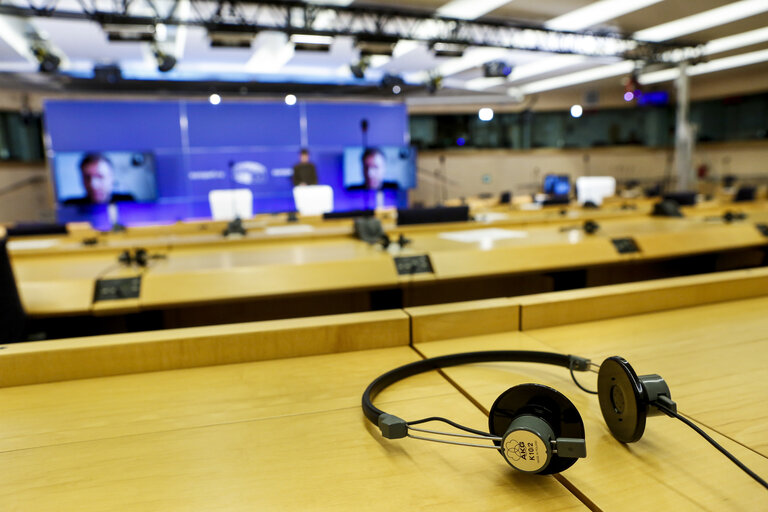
<point>195,143</point>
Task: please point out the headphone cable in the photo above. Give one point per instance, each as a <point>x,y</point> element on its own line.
<point>570,368</point>
<point>711,441</point>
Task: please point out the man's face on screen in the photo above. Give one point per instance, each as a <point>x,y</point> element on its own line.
<point>374,168</point>
<point>98,179</point>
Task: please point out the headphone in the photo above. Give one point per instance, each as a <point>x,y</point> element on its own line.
<point>140,257</point>
<point>535,427</point>
<point>590,227</point>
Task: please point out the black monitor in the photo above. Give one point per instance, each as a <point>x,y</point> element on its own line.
<point>681,198</point>
<point>556,199</point>
<point>432,215</point>
<point>37,228</point>
<point>557,184</point>
<point>745,194</point>
<point>348,214</point>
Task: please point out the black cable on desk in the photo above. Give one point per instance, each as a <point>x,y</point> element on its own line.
<point>714,443</point>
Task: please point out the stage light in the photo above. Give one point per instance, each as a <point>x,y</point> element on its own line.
<point>290,99</point>
<point>485,114</point>
<point>461,141</point>
<point>629,96</point>
<point>49,63</point>
<point>214,98</point>
<point>393,82</point>
<point>165,61</point>
<point>576,111</point>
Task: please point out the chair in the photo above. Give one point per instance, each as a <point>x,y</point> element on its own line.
<point>12,317</point>
<point>313,199</point>
<point>231,204</point>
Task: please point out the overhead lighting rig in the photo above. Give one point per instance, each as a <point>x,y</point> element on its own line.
<point>365,23</point>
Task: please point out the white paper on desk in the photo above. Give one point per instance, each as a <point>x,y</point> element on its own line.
<point>289,230</point>
<point>45,243</point>
<point>482,235</point>
<point>491,217</point>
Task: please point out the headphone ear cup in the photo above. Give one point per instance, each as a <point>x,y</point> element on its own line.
<point>622,400</point>
<point>141,257</point>
<point>530,418</point>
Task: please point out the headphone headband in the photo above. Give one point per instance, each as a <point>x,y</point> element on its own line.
<point>394,427</point>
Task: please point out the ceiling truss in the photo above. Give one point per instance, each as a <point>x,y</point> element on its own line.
<point>361,22</point>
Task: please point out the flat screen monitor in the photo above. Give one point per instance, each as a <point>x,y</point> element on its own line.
<point>557,184</point>
<point>595,188</point>
<point>432,215</point>
<point>379,168</point>
<point>84,178</point>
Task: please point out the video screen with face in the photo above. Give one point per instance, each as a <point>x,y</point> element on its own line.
<point>557,184</point>
<point>84,178</point>
<point>379,167</point>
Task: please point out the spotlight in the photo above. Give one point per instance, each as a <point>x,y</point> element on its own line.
<point>49,63</point>
<point>290,99</point>
<point>358,69</point>
<point>165,61</point>
<point>434,83</point>
<point>629,96</point>
<point>393,82</point>
<point>214,98</point>
<point>485,114</point>
<point>576,111</point>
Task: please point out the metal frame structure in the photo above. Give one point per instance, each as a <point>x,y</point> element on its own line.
<point>365,23</point>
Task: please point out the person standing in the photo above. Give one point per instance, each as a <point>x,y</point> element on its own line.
<point>304,172</point>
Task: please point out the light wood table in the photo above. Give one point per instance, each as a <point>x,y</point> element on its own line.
<point>204,269</point>
<point>267,415</point>
<point>273,435</point>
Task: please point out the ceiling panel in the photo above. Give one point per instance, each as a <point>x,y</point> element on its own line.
<point>8,54</point>
<point>198,49</point>
<point>85,40</point>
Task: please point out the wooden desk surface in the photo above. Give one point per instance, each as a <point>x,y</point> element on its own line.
<point>671,467</point>
<point>207,269</point>
<point>289,433</point>
<point>276,435</point>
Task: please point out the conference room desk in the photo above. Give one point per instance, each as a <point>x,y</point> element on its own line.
<point>267,415</point>
<point>292,276</point>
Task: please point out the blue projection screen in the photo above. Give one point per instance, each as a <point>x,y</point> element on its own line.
<point>197,147</point>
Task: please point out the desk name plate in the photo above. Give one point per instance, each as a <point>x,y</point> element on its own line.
<point>625,245</point>
<point>116,289</point>
<point>407,265</point>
